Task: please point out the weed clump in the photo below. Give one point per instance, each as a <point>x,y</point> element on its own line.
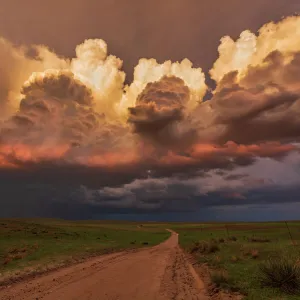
<point>235,258</point>
<point>254,253</point>
<point>259,240</point>
<point>280,273</point>
<point>220,278</point>
<point>205,247</point>
<point>232,238</point>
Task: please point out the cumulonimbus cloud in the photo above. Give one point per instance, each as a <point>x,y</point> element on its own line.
<point>78,112</point>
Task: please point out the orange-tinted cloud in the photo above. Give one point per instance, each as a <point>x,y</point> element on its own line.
<point>79,113</point>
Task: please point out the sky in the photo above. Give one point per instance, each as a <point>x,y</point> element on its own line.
<point>176,110</point>
<point>137,28</point>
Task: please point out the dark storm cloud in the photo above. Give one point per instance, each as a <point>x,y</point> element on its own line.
<point>173,195</point>
<point>53,105</point>
<point>26,194</point>
<point>261,106</point>
<point>67,171</point>
<point>59,85</point>
<point>235,176</point>
<point>158,112</point>
<point>161,103</point>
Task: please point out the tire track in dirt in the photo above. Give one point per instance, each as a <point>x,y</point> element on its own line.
<point>161,272</point>
<point>180,279</point>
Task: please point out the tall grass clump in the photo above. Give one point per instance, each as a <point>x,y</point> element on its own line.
<point>220,278</point>
<point>281,273</point>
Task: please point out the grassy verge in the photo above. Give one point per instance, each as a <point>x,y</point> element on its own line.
<point>254,259</point>
<point>37,245</point>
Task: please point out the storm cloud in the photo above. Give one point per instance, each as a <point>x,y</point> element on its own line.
<point>155,140</point>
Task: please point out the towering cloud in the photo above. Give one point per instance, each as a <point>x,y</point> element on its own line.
<point>16,66</point>
<point>149,70</point>
<point>102,73</point>
<point>257,95</point>
<point>251,50</point>
<point>54,107</point>
<point>159,110</point>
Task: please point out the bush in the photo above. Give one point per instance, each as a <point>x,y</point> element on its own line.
<point>219,278</point>
<point>259,240</point>
<point>212,248</point>
<point>194,248</point>
<point>205,247</point>
<point>280,273</point>
<point>232,238</point>
<point>235,258</point>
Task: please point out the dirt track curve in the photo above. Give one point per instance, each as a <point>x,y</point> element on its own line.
<point>158,273</point>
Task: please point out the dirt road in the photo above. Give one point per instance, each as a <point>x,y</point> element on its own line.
<point>158,273</point>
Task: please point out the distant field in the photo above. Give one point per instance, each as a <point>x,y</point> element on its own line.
<point>237,250</point>
<point>28,246</point>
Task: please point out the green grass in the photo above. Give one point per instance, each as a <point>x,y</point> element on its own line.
<point>38,244</point>
<point>235,252</point>
<point>243,248</point>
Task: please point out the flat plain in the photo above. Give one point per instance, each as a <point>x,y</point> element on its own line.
<point>227,257</point>
<point>37,245</point>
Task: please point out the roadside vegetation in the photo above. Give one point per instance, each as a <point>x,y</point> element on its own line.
<point>259,260</point>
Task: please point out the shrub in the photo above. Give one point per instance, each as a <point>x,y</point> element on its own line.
<point>254,253</point>
<point>212,248</point>
<point>221,240</point>
<point>259,240</point>
<point>219,278</point>
<point>232,238</point>
<point>280,273</point>
<point>194,248</point>
<point>235,258</point>
<point>205,247</point>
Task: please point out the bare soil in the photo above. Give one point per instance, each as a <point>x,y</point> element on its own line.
<point>162,272</point>
<point>214,293</point>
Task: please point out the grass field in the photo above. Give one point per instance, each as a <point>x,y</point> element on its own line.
<point>234,253</point>
<point>28,246</point>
